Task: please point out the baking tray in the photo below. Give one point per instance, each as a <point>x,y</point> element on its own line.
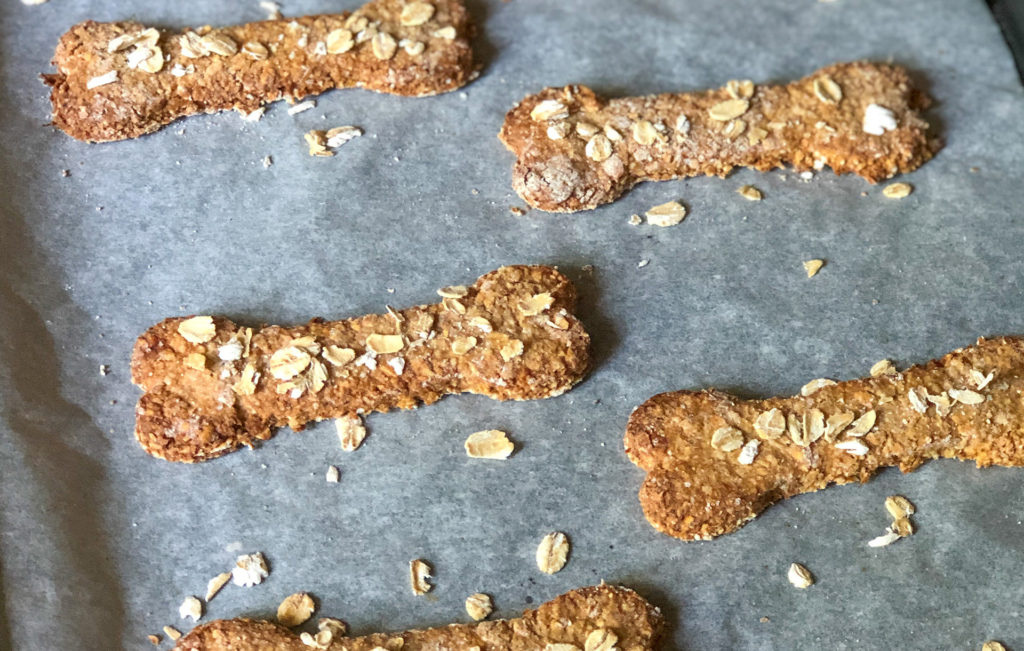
<point>100,543</point>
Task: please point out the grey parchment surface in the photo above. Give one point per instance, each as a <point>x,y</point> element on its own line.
<point>100,543</point>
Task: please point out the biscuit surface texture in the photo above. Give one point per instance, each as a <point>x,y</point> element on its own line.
<point>567,619</point>
<point>510,336</point>
<point>275,59</point>
<point>966,405</point>
<point>576,150</point>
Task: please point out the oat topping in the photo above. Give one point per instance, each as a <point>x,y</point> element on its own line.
<point>799,576</point>
<point>878,120</point>
<point>337,356</point>
<point>416,13</point>
<point>230,351</point>
<point>351,432</point>
<point>727,439</point>
<point>198,329</point>
<point>153,639</point>
<point>601,639</point>
<point>728,110</point>
<point>511,349</point>
<point>740,89</point>
<point>255,50</point>
<point>682,124</point>
<point>384,46</point>
<point>214,585</point>
<point>192,608</point>
<point>644,133</point>
<point>748,452</point>
<point>288,362</point>
<point>750,193</point>
<point>611,133</point>
<point>734,129</point>
<point>335,626</point>
<point>453,305</point>
<point>814,385</point>
<point>635,220</point>
<point>447,33</point>
<point>549,109</point>
<point>249,570</point>
<point>536,304</point>
<point>813,425</point>
<point>148,37</point>
<point>813,266</point>
<point>586,129</point>
<point>246,384</point>
<point>853,446</point>
<point>981,381</point>
<point>384,344</point>
<point>756,135</point>
<point>599,147</point>
<point>862,425</point>
<point>196,361</point>
<point>827,90</point>
<point>918,399</point>
<point>966,396</point>
<point>295,609</point>
<point>419,572</point>
<point>666,214</point>
<point>462,345</point>
<point>172,633</point>
<point>883,367</point>
<point>218,43</point>
<point>412,48</point>
<point>552,552</point>
<point>992,645</point>
<point>558,130</point>
<point>837,423</point>
<point>561,647</point>
<point>479,606</point>
<point>480,322</point>
<point>489,444</point>
<point>770,424</point>
<point>339,41</point>
<point>322,640</point>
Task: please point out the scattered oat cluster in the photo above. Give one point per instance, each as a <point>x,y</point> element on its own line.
<point>900,509</point>
<point>249,570</point>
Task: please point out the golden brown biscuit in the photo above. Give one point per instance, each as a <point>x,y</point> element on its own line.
<point>576,150</point>
<point>212,386</point>
<point>714,461</point>
<point>121,80</point>
<point>606,612</point>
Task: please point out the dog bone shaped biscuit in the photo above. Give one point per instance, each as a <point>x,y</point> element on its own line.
<point>576,150</point>
<point>212,386</point>
<point>120,80</point>
<point>714,461</point>
<point>616,615</point>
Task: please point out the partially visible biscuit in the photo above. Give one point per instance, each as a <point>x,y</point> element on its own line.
<point>119,80</point>
<point>568,619</point>
<point>576,150</point>
<point>212,386</point>
<point>714,461</point>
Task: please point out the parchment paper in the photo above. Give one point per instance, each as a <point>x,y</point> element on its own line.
<point>100,543</point>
